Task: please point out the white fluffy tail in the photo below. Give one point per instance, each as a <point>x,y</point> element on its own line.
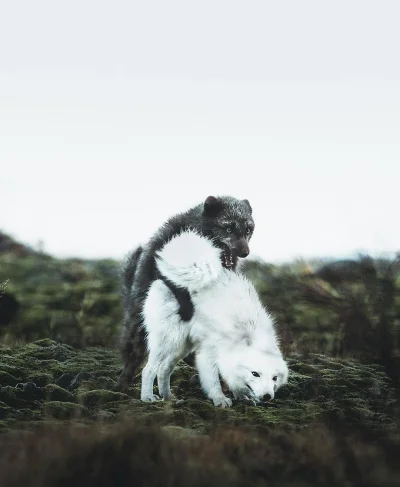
<point>189,260</point>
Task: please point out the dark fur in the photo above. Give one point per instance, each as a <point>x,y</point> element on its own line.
<point>128,272</point>
<point>211,219</point>
<point>182,295</point>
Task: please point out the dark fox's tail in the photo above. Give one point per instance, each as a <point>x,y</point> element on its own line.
<point>131,341</point>
<point>127,275</point>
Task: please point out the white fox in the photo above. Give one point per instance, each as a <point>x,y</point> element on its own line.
<point>231,332</point>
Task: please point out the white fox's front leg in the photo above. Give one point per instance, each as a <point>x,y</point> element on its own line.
<point>209,379</point>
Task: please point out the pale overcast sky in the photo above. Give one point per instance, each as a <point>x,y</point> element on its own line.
<point>115,115</point>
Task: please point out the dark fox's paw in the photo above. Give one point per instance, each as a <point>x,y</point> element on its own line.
<point>121,386</point>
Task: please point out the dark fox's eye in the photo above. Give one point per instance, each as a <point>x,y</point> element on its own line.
<point>275,378</point>
<point>248,231</point>
<point>228,229</point>
<point>256,374</point>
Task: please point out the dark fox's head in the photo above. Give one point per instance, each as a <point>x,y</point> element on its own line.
<point>229,222</point>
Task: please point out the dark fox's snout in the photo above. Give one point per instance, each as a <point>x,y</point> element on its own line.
<point>242,249</point>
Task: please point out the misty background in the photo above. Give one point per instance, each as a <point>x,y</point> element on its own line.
<point>114,116</point>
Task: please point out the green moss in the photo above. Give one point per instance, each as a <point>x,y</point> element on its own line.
<point>304,368</point>
<point>34,321</point>
<point>41,379</point>
<point>319,389</point>
<point>203,408</point>
<point>53,392</point>
<point>44,342</point>
<point>100,397</point>
<point>4,410</point>
<point>10,369</point>
<point>64,410</point>
<point>26,415</point>
<point>55,351</point>
<point>16,398</point>
<point>7,379</point>
<point>97,383</point>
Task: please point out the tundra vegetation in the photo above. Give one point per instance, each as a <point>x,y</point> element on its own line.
<point>62,422</point>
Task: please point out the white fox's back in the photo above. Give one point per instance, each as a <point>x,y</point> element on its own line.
<point>226,304</point>
<point>231,309</point>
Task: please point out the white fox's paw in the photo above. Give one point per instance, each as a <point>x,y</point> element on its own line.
<point>222,402</point>
<point>169,397</point>
<point>152,398</point>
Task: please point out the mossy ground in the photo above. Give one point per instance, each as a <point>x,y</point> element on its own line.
<point>45,380</point>
<point>62,423</point>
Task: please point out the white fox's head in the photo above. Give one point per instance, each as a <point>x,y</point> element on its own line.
<point>253,374</point>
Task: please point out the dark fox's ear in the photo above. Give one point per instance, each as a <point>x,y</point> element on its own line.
<point>212,206</point>
<point>246,202</point>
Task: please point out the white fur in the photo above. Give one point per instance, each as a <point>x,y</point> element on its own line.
<point>231,332</point>
<point>189,261</point>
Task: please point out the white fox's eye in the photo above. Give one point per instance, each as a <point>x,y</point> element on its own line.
<point>256,374</point>
<point>275,378</point>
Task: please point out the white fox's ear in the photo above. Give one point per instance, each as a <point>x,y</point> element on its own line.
<point>246,202</point>
<point>212,206</point>
<point>245,339</point>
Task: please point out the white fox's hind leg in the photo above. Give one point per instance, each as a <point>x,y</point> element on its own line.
<point>148,376</point>
<point>164,375</point>
<point>167,340</point>
<point>209,379</point>
<point>162,361</point>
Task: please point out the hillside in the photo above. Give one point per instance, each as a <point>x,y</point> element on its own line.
<point>335,423</point>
